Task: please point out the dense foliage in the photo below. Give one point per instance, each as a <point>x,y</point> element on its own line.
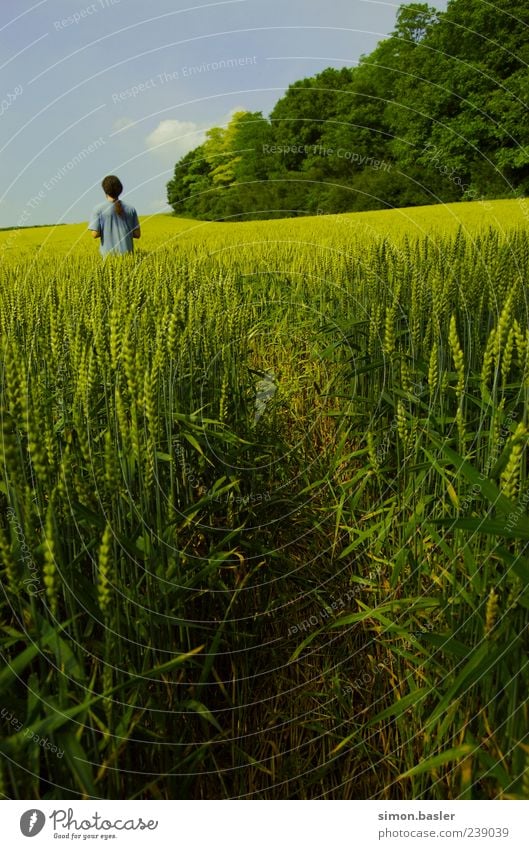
<point>437,112</point>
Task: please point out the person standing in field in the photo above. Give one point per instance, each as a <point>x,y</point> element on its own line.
<point>114,222</point>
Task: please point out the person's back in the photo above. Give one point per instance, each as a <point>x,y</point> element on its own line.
<point>114,222</point>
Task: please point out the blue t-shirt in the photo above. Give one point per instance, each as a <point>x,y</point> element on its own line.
<point>116,230</point>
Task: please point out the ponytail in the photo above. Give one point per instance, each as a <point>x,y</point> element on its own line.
<point>112,186</point>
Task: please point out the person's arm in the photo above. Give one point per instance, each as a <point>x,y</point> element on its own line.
<point>136,232</point>
<point>94,226</point>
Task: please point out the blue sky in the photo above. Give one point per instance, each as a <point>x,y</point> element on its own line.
<point>128,86</point>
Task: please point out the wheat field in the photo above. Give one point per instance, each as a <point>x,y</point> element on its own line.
<point>264,509</point>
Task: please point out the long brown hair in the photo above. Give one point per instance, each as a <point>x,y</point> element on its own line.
<point>112,186</point>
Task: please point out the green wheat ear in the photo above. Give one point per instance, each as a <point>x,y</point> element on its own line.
<point>50,573</point>
<point>433,369</point>
<point>510,477</point>
<point>372,452</point>
<point>8,562</point>
<point>457,355</point>
<point>488,362</point>
<point>491,612</point>
<point>104,568</point>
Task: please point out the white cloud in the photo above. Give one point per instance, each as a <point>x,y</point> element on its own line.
<point>229,115</point>
<point>122,124</point>
<point>171,139</point>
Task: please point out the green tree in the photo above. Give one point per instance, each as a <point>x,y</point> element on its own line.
<point>441,104</point>
<point>185,192</point>
<point>468,96</point>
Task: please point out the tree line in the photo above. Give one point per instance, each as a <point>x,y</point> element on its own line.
<point>436,113</point>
